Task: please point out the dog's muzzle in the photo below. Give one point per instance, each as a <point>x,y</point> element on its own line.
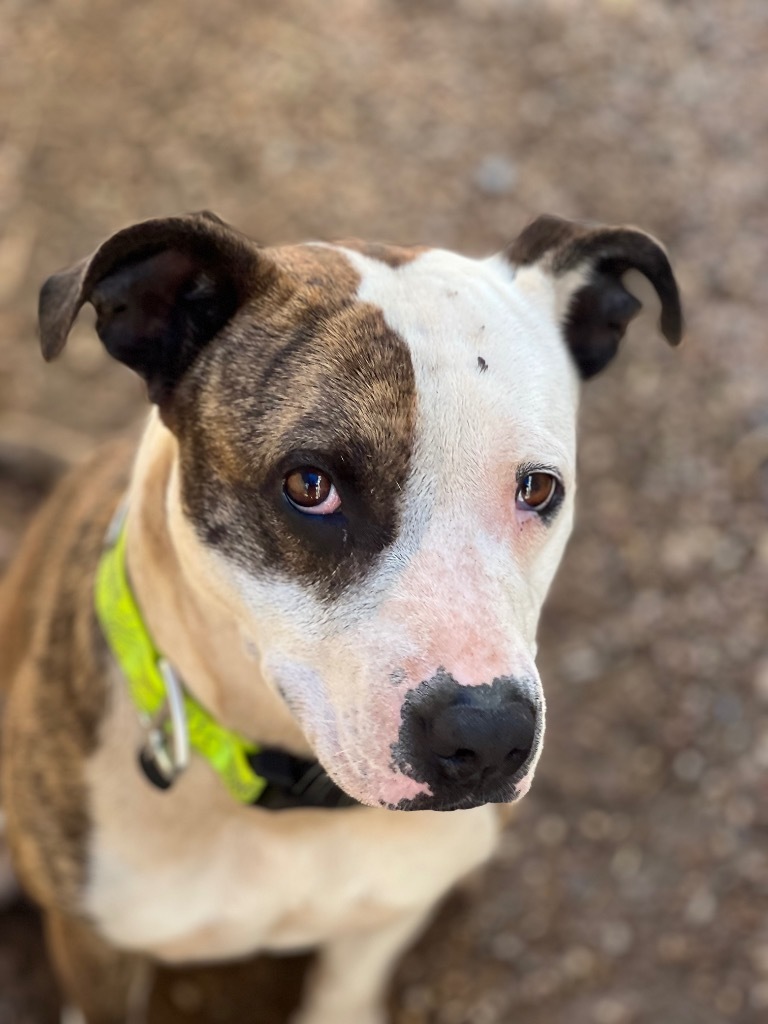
<point>469,744</point>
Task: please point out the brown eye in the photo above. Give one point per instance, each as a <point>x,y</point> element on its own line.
<point>311,490</point>
<point>536,491</point>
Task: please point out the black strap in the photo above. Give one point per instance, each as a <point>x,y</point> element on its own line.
<point>295,782</point>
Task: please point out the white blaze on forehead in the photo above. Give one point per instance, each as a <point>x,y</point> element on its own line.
<point>452,311</point>
<point>496,390</point>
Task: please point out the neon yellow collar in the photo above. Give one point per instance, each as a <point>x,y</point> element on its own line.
<point>147,674</point>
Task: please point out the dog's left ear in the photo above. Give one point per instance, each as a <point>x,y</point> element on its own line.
<point>586,264</point>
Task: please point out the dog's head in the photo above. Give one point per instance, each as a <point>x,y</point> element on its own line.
<point>376,456</point>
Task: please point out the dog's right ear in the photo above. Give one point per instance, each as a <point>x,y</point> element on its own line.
<point>161,289</point>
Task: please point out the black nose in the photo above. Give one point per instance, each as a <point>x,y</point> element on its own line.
<point>473,740</point>
<point>467,743</point>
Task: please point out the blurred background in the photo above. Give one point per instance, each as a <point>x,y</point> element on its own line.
<point>633,886</point>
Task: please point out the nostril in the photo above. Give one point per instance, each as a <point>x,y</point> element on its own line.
<point>458,766</point>
<point>516,758</point>
<point>460,762</point>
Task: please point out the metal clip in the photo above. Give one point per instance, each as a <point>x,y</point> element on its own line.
<point>165,753</point>
<point>116,524</point>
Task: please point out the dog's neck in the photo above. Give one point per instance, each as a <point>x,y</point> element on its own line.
<point>189,624</point>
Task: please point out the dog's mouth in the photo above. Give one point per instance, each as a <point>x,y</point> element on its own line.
<point>456,800</point>
<point>399,792</point>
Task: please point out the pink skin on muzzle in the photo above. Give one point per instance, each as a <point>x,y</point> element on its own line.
<point>443,614</point>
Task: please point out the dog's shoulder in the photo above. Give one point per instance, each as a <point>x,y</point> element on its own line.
<point>59,551</point>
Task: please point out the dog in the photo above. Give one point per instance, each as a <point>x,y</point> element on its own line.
<point>276,701</point>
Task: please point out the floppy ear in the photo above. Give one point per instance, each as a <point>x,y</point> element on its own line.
<point>586,264</point>
<point>162,290</point>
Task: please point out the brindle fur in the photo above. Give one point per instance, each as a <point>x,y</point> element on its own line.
<point>305,368</point>
<point>52,667</point>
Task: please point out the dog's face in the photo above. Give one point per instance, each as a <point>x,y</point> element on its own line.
<point>384,490</point>
<point>376,470</point>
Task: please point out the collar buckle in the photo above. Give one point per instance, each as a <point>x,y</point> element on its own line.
<point>165,752</point>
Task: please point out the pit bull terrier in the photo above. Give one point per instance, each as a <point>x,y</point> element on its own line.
<point>274,702</point>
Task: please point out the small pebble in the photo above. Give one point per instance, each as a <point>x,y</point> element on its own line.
<point>496,176</point>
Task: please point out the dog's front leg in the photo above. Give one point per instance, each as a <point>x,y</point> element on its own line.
<point>349,982</point>
<point>106,985</point>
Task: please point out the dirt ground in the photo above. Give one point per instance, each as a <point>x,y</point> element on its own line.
<point>633,887</point>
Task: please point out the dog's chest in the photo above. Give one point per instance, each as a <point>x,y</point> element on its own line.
<point>189,874</point>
